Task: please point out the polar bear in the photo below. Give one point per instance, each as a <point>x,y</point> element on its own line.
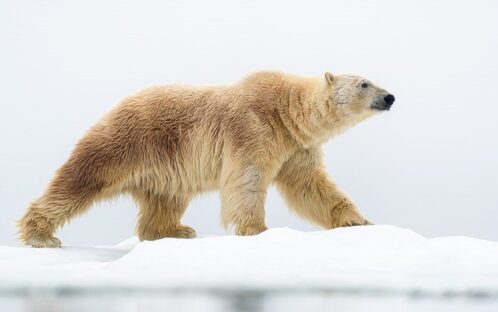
<point>165,144</point>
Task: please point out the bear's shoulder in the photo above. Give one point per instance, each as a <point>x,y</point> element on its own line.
<point>262,77</point>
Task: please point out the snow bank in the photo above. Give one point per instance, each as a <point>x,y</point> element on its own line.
<point>375,259</point>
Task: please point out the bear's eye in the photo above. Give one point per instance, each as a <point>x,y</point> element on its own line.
<point>364,85</point>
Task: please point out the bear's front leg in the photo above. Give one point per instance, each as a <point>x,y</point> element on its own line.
<point>309,191</point>
<point>243,193</point>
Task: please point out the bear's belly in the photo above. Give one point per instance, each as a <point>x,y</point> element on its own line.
<point>186,176</point>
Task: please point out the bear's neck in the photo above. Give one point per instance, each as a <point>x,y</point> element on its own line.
<point>299,112</point>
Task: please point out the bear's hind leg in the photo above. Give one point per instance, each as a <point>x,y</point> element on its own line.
<point>160,215</point>
<point>60,203</point>
<point>96,169</point>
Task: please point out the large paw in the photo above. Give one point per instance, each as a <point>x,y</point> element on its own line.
<point>37,242</point>
<point>358,222</point>
<point>183,231</point>
<point>346,214</point>
<point>180,231</point>
<point>250,229</point>
<point>37,230</point>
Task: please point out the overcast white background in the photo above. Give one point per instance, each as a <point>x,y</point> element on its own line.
<point>430,164</point>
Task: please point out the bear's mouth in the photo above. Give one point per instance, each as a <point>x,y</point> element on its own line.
<point>380,107</point>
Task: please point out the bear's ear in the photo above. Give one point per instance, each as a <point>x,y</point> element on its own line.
<point>329,78</point>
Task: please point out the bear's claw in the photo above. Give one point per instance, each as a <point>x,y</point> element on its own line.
<point>365,222</point>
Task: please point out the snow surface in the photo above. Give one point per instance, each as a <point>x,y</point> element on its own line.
<point>372,259</point>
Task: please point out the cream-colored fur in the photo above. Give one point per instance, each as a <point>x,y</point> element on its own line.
<point>166,144</point>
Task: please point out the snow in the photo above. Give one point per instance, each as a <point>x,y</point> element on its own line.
<point>368,259</point>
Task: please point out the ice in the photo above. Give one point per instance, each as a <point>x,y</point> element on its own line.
<point>365,259</point>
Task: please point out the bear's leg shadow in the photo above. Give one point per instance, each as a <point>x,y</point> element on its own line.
<point>243,194</point>
<point>159,216</point>
<point>308,191</point>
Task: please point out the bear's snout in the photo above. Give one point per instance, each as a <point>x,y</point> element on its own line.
<point>389,100</point>
<point>384,103</point>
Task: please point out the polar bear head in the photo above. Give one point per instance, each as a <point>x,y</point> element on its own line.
<point>346,100</point>
<point>355,94</point>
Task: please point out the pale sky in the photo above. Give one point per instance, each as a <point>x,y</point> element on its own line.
<point>430,164</point>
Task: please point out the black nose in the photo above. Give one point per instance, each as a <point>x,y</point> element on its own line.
<point>389,99</point>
